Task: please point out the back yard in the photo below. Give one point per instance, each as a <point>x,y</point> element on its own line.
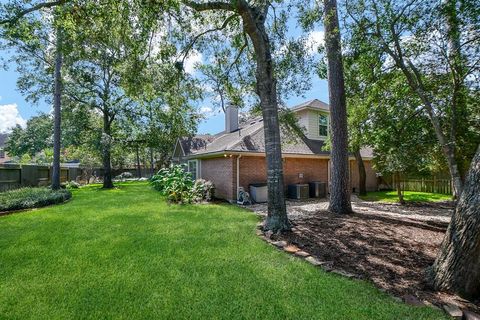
<point>125,253</point>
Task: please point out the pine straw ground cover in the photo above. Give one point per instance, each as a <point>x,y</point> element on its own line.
<point>391,245</point>
<point>126,254</point>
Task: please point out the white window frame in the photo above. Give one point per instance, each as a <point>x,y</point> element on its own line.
<point>320,115</point>
<point>196,175</point>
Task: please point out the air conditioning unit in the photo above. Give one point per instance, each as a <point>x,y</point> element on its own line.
<point>298,191</point>
<point>318,189</point>
<point>259,192</point>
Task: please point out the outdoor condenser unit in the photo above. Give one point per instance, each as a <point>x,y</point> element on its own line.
<point>298,191</point>
<point>259,192</point>
<point>318,189</point>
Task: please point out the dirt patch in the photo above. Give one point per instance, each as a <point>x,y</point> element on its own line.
<point>388,244</point>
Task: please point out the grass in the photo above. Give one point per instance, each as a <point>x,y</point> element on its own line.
<point>26,198</point>
<point>409,196</point>
<point>127,254</point>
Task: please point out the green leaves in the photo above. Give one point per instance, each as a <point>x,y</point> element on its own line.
<point>26,198</point>
<point>175,183</point>
<point>178,186</point>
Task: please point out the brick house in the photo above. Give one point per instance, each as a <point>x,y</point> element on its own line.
<point>235,157</point>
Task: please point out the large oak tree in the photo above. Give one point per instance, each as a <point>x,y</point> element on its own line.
<point>254,33</point>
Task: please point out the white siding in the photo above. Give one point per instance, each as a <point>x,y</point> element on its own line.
<point>303,119</point>
<point>308,119</point>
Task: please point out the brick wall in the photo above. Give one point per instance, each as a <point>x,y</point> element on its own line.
<point>222,172</point>
<point>253,170</point>
<point>311,169</point>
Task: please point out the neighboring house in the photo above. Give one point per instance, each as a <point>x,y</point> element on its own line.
<point>235,157</point>
<point>3,155</point>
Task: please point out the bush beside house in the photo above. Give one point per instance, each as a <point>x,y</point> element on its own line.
<point>179,187</point>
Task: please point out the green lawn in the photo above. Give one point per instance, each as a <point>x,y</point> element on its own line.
<point>126,254</point>
<point>409,196</point>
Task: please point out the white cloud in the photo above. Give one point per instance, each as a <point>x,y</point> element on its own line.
<point>207,111</point>
<point>314,40</point>
<point>10,117</point>
<point>193,58</point>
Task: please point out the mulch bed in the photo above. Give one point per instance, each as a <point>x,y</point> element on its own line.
<point>391,252</point>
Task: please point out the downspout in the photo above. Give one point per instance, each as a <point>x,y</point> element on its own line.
<point>238,175</point>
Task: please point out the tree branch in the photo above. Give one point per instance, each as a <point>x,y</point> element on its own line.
<point>214,5</point>
<point>191,44</point>
<point>37,7</point>
<point>240,51</point>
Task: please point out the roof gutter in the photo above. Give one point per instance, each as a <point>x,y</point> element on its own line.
<point>224,153</point>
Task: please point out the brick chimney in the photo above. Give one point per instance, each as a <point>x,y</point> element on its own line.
<point>231,118</point>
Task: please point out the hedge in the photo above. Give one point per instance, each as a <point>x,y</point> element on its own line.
<point>26,198</point>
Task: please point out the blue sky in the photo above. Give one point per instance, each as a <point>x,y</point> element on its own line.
<point>24,110</point>
<point>15,110</point>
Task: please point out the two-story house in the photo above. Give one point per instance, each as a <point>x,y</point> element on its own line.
<point>235,157</point>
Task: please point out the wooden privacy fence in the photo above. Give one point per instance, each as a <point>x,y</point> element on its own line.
<point>434,185</point>
<point>17,176</point>
<point>13,176</point>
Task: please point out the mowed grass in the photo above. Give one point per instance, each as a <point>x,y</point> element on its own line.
<point>127,254</point>
<point>409,196</point>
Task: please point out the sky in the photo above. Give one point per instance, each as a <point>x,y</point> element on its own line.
<point>14,109</point>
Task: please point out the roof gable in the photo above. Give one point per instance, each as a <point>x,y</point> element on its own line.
<point>314,104</point>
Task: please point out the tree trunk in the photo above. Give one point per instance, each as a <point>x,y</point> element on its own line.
<point>254,18</point>
<point>415,82</point>
<point>57,105</point>
<point>139,169</point>
<point>152,163</point>
<point>458,70</point>
<point>106,152</point>
<point>398,186</point>
<point>254,24</point>
<point>456,268</point>
<point>339,190</point>
<point>362,175</point>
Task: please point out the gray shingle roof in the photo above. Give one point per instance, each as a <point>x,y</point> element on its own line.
<point>196,143</point>
<point>250,138</point>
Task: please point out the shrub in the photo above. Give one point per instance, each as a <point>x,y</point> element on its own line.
<point>124,175</point>
<point>203,190</point>
<point>72,185</point>
<point>178,186</point>
<point>26,198</point>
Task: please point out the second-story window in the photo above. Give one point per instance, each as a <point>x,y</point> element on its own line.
<point>322,125</point>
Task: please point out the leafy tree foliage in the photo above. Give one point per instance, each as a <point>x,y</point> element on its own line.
<point>435,47</point>
<point>32,139</point>
<point>253,61</point>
